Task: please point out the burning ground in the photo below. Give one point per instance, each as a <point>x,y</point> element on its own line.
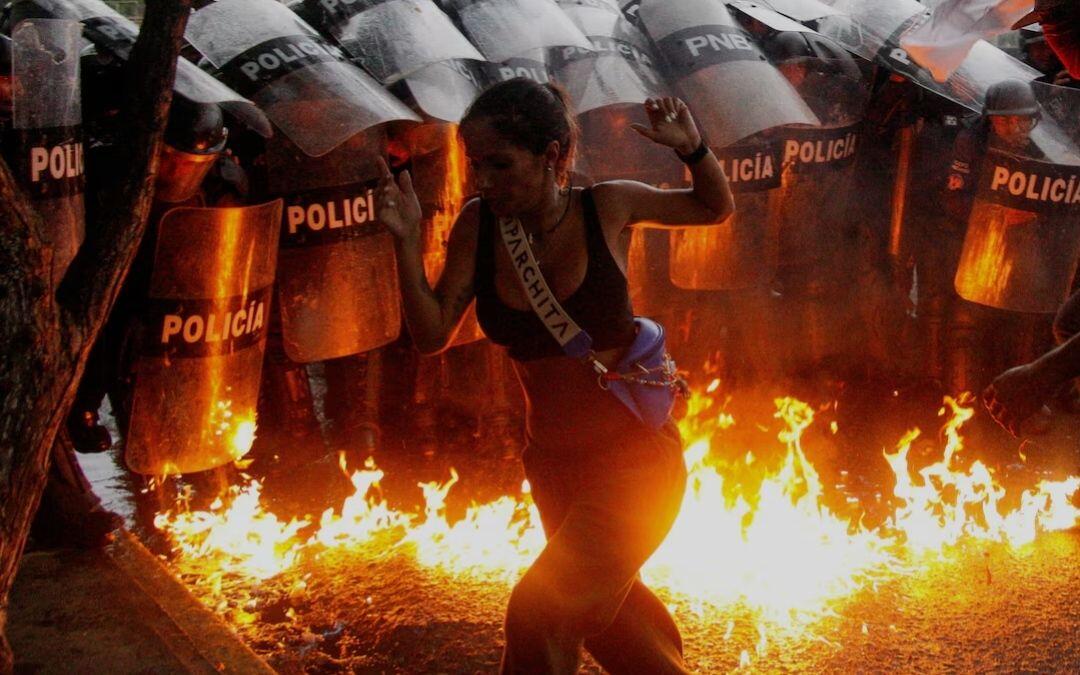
<point>937,563</point>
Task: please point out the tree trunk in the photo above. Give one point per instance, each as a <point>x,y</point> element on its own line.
<point>45,337</point>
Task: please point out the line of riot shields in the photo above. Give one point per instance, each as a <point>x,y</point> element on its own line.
<point>265,263</point>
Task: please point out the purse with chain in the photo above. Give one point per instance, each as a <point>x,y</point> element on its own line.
<point>645,380</point>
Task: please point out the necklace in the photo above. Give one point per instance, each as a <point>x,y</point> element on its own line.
<point>566,209</point>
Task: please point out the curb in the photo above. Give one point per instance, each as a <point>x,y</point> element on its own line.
<point>200,639</point>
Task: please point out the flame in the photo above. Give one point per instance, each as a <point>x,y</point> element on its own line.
<point>243,537</point>
<point>773,546</point>
<point>451,199</point>
<point>779,551</point>
<point>363,514</point>
<point>493,541</point>
<point>945,503</point>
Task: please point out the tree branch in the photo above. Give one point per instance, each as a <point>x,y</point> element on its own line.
<point>21,242</point>
<point>95,276</point>
<point>47,343</point>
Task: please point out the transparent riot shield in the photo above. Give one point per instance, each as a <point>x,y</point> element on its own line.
<point>619,68</point>
<point>818,184</point>
<point>833,88</point>
<point>1023,237</point>
<point>443,91</point>
<point>301,81</point>
<point>769,17</point>
<point>532,64</point>
<point>742,251</point>
<point>111,31</point>
<point>337,274</point>
<point>873,29</point>
<point>609,149</point>
<point>800,10</point>
<point>502,29</point>
<point>722,74</point>
<point>202,339</point>
<point>389,38</point>
<point>47,143</point>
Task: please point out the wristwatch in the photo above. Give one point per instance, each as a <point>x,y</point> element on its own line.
<point>696,156</point>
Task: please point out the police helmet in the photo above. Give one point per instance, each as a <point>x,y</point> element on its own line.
<point>194,137</point>
<point>195,127</point>
<point>786,45</point>
<point>1010,97</point>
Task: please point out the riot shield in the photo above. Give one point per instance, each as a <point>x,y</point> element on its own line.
<point>800,10</point>
<point>502,29</point>
<point>768,17</point>
<point>742,251</point>
<point>531,64</point>
<point>620,67</point>
<point>443,91</point>
<point>302,82</point>
<point>723,76</point>
<point>833,87</point>
<point>47,123</point>
<point>817,181</point>
<point>389,38</point>
<point>610,150</point>
<point>1022,242</point>
<point>873,30</point>
<point>114,33</point>
<point>203,336</point>
<point>337,274</point>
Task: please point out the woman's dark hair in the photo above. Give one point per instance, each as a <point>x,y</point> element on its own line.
<point>531,115</point>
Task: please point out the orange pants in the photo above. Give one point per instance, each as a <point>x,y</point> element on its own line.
<point>605,512</point>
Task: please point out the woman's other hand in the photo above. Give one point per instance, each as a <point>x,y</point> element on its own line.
<point>1016,395</point>
<point>399,208</point>
<point>672,124</point>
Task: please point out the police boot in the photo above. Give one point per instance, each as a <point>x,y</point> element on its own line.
<point>970,348</point>
<point>289,432</point>
<point>352,401</point>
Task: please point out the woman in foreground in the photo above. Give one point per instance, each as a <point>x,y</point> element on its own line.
<point>607,485</point>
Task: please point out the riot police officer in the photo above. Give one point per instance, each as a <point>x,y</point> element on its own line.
<point>983,339</point>
<point>1039,55</point>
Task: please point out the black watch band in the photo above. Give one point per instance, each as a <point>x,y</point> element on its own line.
<point>696,156</point>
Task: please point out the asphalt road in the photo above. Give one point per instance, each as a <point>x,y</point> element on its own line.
<point>982,608</point>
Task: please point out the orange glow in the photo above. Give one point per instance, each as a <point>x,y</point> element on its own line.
<point>774,547</point>
<point>986,266</point>
<point>451,199</point>
<point>738,253</point>
<point>437,233</point>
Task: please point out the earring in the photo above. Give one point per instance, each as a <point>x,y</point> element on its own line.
<point>549,167</point>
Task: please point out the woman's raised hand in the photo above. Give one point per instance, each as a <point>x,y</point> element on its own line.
<point>672,124</point>
<point>399,208</point>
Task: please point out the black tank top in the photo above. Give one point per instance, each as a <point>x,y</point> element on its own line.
<point>600,305</point>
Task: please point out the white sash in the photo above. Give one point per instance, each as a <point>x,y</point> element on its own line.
<point>574,341</point>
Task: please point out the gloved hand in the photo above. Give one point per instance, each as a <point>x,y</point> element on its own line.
<point>1017,394</point>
